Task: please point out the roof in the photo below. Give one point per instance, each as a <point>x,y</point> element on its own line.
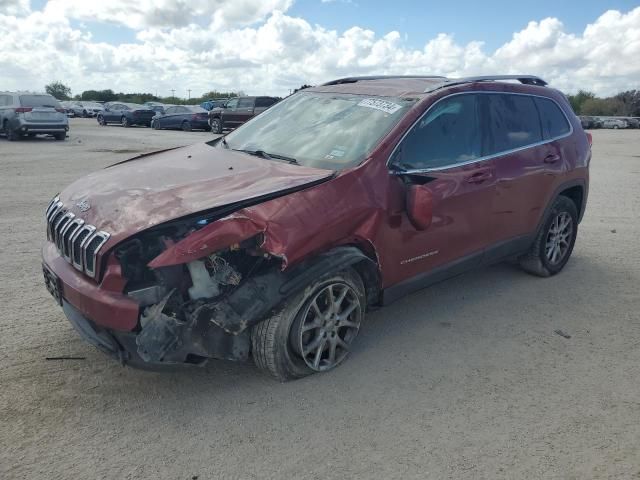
<point>401,86</point>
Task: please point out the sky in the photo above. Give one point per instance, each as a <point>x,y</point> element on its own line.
<point>272,46</point>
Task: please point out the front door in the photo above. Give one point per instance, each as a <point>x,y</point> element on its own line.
<point>444,151</point>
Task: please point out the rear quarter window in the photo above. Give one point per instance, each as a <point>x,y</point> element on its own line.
<point>554,122</point>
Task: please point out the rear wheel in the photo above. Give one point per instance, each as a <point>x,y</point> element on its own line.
<point>125,122</point>
<point>554,243</point>
<point>101,120</point>
<point>312,331</point>
<point>155,124</point>
<point>186,126</point>
<point>216,125</point>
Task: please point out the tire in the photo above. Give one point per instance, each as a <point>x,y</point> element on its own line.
<point>101,121</point>
<point>216,125</point>
<point>274,341</point>
<point>541,260</point>
<point>186,126</point>
<point>60,136</point>
<point>125,122</point>
<point>615,127</point>
<point>11,135</point>
<point>155,125</point>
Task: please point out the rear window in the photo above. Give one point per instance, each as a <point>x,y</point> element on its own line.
<point>513,122</point>
<point>554,123</point>
<point>265,101</point>
<point>35,101</point>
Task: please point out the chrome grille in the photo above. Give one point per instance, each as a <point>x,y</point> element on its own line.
<point>77,242</point>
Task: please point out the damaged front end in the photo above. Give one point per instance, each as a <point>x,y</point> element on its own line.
<point>185,308</point>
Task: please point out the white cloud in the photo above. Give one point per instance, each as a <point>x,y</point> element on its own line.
<point>253,45</point>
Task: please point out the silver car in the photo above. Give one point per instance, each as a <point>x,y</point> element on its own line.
<point>32,114</point>
<point>614,123</point>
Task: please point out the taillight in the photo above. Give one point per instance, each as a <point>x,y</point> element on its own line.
<point>60,110</point>
<point>23,109</point>
<point>589,138</point>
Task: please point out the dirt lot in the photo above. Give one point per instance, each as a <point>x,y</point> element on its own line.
<point>466,379</point>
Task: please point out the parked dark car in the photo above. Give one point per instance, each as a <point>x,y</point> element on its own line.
<point>237,111</point>
<point>274,241</point>
<point>31,114</point>
<point>126,114</point>
<point>184,117</point>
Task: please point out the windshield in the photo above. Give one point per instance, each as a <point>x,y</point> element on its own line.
<point>35,101</point>
<point>322,130</point>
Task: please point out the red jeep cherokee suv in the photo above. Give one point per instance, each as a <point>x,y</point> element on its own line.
<point>273,241</point>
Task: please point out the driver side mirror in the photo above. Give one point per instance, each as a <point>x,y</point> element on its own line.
<point>420,206</point>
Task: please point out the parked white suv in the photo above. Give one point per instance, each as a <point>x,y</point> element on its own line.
<point>32,114</point>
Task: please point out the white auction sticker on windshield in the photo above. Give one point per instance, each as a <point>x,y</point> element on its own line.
<point>382,105</point>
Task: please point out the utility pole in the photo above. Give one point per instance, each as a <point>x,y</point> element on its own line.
<point>173,93</point>
<point>189,97</point>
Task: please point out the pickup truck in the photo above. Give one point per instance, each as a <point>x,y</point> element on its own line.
<point>237,111</point>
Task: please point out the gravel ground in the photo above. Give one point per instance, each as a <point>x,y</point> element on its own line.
<point>466,379</point>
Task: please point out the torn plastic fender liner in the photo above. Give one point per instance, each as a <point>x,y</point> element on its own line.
<point>214,237</point>
<point>252,301</point>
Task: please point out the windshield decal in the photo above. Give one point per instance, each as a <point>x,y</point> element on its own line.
<point>382,105</point>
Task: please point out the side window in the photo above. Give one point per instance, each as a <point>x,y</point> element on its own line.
<point>4,100</point>
<point>245,103</point>
<point>264,102</point>
<point>513,122</point>
<point>170,111</point>
<point>449,134</point>
<point>554,123</point>
<point>124,107</point>
<point>232,104</point>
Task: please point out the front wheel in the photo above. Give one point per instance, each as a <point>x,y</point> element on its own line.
<point>60,136</point>
<point>312,331</point>
<point>125,122</point>
<point>216,125</point>
<point>101,121</point>
<point>554,243</point>
<point>155,124</point>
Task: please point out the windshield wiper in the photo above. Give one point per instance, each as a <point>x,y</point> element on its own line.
<point>268,156</point>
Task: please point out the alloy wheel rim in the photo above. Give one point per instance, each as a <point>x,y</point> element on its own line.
<point>559,238</point>
<point>328,326</point>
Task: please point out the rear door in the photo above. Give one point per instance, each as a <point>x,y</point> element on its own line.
<point>444,150</point>
<point>245,108</point>
<point>527,165</point>
<point>230,113</point>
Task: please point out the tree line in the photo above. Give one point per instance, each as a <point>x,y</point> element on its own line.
<point>62,92</point>
<point>624,104</point>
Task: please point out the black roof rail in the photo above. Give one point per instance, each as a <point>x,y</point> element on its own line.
<point>525,79</point>
<point>340,81</point>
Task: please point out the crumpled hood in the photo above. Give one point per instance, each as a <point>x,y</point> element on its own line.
<point>132,196</point>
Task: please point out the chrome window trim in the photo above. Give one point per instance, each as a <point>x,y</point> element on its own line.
<point>486,157</point>
<point>99,234</point>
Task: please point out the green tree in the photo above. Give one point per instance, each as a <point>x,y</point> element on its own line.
<point>630,102</point>
<point>58,90</point>
<point>577,101</point>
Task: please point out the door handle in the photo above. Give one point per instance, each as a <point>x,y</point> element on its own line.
<point>552,158</point>
<point>479,177</point>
